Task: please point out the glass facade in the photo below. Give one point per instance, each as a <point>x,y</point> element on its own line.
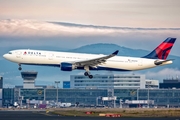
<point>37,94</point>
<point>8,96</point>
<point>169,85</point>
<point>83,96</point>
<point>126,94</point>
<point>29,75</point>
<point>108,81</point>
<point>161,97</point>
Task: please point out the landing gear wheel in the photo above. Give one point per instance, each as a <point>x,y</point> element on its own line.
<point>86,73</point>
<point>19,68</point>
<point>90,76</point>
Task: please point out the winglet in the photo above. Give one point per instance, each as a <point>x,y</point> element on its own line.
<point>115,53</point>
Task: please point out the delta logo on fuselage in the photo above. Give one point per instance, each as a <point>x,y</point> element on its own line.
<point>31,53</point>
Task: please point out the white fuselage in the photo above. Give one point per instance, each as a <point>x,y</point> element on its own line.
<point>52,58</point>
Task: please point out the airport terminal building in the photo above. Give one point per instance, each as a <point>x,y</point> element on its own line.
<point>101,90</point>
<point>161,97</point>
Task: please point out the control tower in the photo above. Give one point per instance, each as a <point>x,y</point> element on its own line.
<point>29,79</point>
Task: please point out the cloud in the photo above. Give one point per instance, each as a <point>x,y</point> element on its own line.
<point>167,73</point>
<point>33,34</point>
<point>35,28</point>
<point>8,85</point>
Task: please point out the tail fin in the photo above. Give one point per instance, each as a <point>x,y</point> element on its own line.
<point>162,51</point>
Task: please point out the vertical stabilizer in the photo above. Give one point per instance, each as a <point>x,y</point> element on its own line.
<point>163,50</point>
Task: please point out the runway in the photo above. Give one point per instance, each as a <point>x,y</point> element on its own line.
<point>41,115</point>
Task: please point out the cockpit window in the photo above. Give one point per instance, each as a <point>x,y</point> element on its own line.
<point>10,53</point>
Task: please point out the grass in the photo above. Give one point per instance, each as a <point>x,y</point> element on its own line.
<point>124,112</point>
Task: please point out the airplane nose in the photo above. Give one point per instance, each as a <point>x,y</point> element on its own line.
<point>5,56</point>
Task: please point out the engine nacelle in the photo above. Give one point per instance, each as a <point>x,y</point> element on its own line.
<point>67,66</point>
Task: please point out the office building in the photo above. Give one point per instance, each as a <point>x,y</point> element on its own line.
<point>170,83</point>
<point>108,81</point>
<point>8,96</point>
<point>152,84</point>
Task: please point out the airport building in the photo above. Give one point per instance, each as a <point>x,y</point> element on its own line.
<point>29,79</point>
<point>73,96</point>
<point>160,97</point>
<point>1,87</point>
<point>1,82</point>
<point>109,90</point>
<point>152,84</point>
<point>171,83</point>
<point>108,81</point>
<point>113,81</point>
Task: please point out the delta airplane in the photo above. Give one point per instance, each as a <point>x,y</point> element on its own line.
<point>67,61</point>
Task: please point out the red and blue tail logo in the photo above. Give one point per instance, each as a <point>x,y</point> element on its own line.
<point>163,50</point>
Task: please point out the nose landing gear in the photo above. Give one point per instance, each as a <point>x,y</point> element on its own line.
<point>20,68</point>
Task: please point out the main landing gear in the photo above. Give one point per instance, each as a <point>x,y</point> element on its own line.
<point>87,72</point>
<point>20,68</point>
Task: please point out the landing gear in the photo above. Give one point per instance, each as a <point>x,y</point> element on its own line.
<point>87,72</point>
<point>20,68</point>
<point>89,75</point>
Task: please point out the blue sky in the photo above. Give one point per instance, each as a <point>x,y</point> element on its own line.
<point>30,24</point>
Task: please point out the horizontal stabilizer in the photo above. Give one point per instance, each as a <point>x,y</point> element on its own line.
<point>157,62</point>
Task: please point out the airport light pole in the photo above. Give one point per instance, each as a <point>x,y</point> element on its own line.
<point>97,101</point>
<point>120,103</point>
<point>57,82</point>
<point>138,94</point>
<point>148,96</point>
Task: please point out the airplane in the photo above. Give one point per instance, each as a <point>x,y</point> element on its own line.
<point>68,61</point>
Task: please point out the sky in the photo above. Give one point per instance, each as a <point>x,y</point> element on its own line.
<point>137,24</point>
<point>132,13</point>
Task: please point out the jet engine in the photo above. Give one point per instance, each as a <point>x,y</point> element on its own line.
<point>67,66</point>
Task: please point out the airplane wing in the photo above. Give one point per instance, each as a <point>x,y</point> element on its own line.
<point>94,62</point>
